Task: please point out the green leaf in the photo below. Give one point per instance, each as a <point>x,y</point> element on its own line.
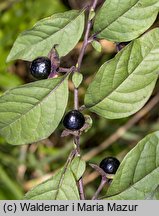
<point>124,84</point>
<point>78,167</point>
<point>154,195</point>
<point>62,186</point>
<point>88,123</point>
<point>91,14</point>
<point>120,20</point>
<point>31,112</point>
<point>77,78</point>
<point>64,29</point>
<point>97,46</point>
<point>138,174</point>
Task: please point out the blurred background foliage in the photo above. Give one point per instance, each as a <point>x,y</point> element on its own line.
<point>23,167</point>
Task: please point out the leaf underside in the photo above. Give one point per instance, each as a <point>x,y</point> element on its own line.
<point>62,186</point>
<point>78,167</point>
<point>120,20</point>
<point>124,84</point>
<point>64,29</point>
<point>31,112</point>
<point>138,175</point>
<point>77,79</point>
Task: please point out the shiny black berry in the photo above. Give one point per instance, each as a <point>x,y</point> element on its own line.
<point>41,67</point>
<point>109,165</point>
<point>74,120</point>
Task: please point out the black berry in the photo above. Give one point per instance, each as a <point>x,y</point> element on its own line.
<point>41,67</point>
<point>109,165</point>
<point>74,120</point>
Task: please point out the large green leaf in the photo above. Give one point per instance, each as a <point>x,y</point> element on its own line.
<point>138,174</point>
<point>31,112</point>
<point>62,186</point>
<point>64,29</point>
<point>120,20</point>
<point>124,84</point>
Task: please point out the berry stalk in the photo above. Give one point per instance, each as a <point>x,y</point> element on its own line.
<point>103,182</point>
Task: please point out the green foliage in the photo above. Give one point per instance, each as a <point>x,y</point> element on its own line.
<point>92,14</point>
<point>17,16</point>
<point>121,87</point>
<point>78,167</point>
<point>138,174</point>
<point>122,20</point>
<point>57,29</point>
<point>62,186</point>
<point>124,84</point>
<point>32,112</point>
<point>77,79</point>
<point>97,46</point>
<point>154,195</point>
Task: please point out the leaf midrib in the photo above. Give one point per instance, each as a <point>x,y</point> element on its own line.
<point>47,38</point>
<point>117,18</point>
<point>129,74</point>
<point>14,56</point>
<point>58,187</point>
<point>63,172</point>
<point>143,146</point>
<point>49,191</point>
<point>131,186</point>
<point>39,102</point>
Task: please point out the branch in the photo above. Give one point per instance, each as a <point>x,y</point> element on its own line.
<point>66,70</point>
<point>112,138</point>
<point>76,99</point>
<point>86,37</point>
<point>94,4</point>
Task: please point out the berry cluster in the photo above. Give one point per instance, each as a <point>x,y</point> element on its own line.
<point>40,69</point>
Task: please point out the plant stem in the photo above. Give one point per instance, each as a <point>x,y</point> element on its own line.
<point>66,70</point>
<point>80,181</point>
<point>103,182</point>
<point>76,99</point>
<point>86,37</point>
<point>81,189</point>
<point>84,46</point>
<point>94,4</point>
